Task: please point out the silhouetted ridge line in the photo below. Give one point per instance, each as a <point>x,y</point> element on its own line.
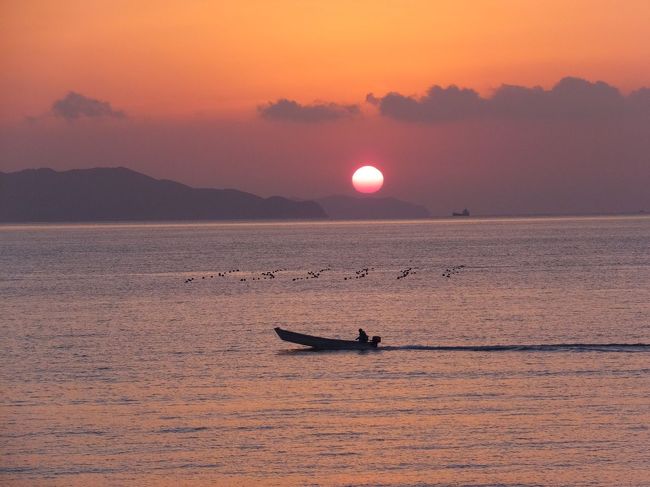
<point>120,194</point>
<point>550,347</point>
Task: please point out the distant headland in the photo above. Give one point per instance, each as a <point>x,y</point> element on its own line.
<point>121,194</point>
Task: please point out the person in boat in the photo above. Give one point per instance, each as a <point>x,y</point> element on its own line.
<point>363,336</point>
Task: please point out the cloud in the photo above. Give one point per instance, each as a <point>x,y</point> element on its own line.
<point>570,98</point>
<point>74,106</point>
<point>292,111</point>
<point>439,104</point>
<point>638,102</point>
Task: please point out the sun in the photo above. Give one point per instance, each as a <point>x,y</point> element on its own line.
<point>367,179</point>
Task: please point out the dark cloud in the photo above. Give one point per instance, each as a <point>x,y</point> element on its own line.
<point>292,111</point>
<point>570,98</point>
<point>74,106</point>
<point>439,104</point>
<point>518,101</point>
<point>638,103</point>
<point>581,98</point>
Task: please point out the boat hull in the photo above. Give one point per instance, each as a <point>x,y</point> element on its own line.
<point>321,343</point>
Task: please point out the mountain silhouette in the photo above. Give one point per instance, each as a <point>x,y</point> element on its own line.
<point>108,194</point>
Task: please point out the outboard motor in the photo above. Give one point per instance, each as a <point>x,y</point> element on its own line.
<point>376,340</point>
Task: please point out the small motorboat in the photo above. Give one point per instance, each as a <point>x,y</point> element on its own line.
<point>320,343</point>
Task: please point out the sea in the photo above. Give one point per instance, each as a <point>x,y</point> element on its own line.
<point>514,352</point>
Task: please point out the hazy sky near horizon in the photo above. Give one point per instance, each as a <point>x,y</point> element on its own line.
<point>549,113</point>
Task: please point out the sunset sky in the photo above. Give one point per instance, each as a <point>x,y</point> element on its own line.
<point>288,97</point>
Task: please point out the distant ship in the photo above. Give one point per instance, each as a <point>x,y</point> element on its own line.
<point>465,212</point>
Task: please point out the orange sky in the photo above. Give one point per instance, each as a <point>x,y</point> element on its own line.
<point>182,58</point>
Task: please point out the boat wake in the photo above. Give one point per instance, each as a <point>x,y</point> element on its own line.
<point>551,347</point>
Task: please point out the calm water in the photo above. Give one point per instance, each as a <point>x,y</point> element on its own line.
<point>115,371</point>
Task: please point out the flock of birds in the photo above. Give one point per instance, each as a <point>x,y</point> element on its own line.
<point>452,270</point>
<point>359,274</point>
<point>219,274</point>
<point>312,274</point>
<point>265,275</point>
<point>405,272</point>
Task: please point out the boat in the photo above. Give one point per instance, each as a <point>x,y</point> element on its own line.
<point>465,212</point>
<point>320,343</point>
